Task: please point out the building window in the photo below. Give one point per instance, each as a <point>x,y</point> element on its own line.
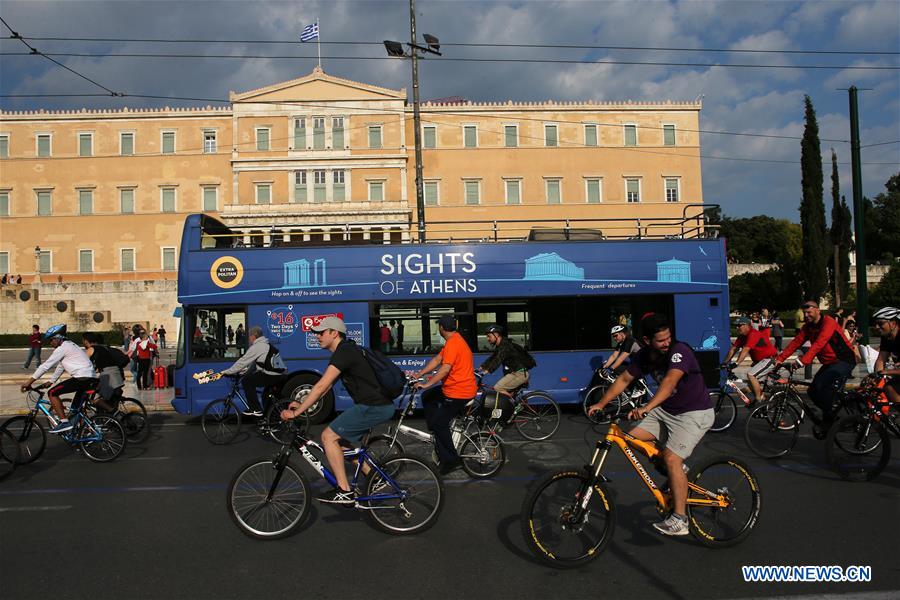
<point>45,261</point>
<point>167,199</point>
<point>85,202</point>
<point>86,261</point>
<point>590,135</point>
<point>593,189</point>
<point>264,193</point>
<point>513,191</point>
<point>168,142</point>
<point>209,142</point>
<point>126,201</point>
<point>376,191</point>
<point>669,135</point>
<point>375,136</point>
<point>429,136</point>
<point>672,194</point>
<point>4,146</point>
<point>633,190</point>
<point>168,259</point>
<point>44,204</point>
<point>430,190</point>
<point>470,136</point>
<point>4,209</point>
<point>550,136</point>
<point>85,144</point>
<point>337,133</point>
<point>299,134</point>
<point>4,262</point>
<point>300,186</point>
<point>553,191</point>
<point>318,133</point>
<point>126,143</point>
<point>473,192</point>
<point>126,259</point>
<point>511,136</point>
<point>319,186</point>
<point>262,139</point>
<point>338,191</point>
<point>44,145</point>
<point>631,135</point>
<point>210,198</point>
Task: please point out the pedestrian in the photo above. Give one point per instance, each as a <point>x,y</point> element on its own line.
<point>755,321</point>
<point>385,337</point>
<point>394,334</point>
<point>144,348</point>
<point>132,354</point>
<point>839,316</point>
<point>764,318</point>
<point>162,336</point>
<point>239,335</point>
<point>399,336</point>
<point>230,333</point>
<point>3,280</point>
<point>777,330</point>
<point>155,336</point>
<point>18,279</point>
<point>34,346</point>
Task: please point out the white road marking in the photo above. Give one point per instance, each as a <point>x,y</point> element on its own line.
<point>35,508</point>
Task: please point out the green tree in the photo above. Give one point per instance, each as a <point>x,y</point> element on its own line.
<point>883,223</point>
<point>814,269</point>
<point>887,292</point>
<point>761,239</point>
<point>841,238</point>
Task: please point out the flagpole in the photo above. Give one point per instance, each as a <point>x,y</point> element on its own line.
<point>318,43</point>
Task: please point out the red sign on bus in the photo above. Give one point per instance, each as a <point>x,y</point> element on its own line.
<point>307,322</point>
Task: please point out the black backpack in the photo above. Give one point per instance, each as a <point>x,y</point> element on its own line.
<point>118,358</point>
<point>527,360</point>
<point>273,361</point>
<point>390,377</point>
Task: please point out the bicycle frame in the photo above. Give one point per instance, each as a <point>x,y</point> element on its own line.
<point>42,405</point>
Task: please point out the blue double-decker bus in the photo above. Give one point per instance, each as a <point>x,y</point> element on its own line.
<point>557,298</point>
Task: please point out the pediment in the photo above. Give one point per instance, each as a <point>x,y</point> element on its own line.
<point>318,86</point>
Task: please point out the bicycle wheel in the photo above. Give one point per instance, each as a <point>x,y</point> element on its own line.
<point>134,420</point>
<point>483,455</point>
<point>282,431</point>
<point>30,434</point>
<point>725,408</point>
<point>594,396</point>
<point>383,447</point>
<point>221,421</point>
<point>538,416</point>
<point>412,503</point>
<point>548,525</point>
<point>112,438</point>
<point>772,429</point>
<point>733,481</point>
<point>10,454</point>
<point>267,505</point>
<point>858,448</point>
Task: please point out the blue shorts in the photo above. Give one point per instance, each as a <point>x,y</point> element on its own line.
<point>356,421</point>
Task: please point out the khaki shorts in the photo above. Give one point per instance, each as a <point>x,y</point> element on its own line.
<point>684,431</point>
<point>511,381</point>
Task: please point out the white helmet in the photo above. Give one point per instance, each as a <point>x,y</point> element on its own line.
<point>617,329</point>
<point>887,313</point>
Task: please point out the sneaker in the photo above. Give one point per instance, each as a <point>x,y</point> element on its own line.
<point>252,413</point>
<point>447,468</point>
<point>337,496</point>
<point>673,525</point>
<point>61,427</point>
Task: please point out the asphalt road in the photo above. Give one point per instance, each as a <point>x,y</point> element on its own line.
<point>154,524</point>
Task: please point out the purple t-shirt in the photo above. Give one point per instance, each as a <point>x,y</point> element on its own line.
<point>690,393</point>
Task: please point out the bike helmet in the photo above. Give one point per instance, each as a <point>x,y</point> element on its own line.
<point>887,313</point>
<point>617,329</point>
<point>55,331</point>
<point>498,329</point>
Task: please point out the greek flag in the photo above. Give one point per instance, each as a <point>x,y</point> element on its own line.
<point>310,33</point>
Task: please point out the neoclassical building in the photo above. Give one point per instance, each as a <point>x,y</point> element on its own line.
<point>93,201</point>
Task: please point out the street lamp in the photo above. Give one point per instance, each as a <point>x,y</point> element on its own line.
<point>395,50</point>
<point>37,264</point>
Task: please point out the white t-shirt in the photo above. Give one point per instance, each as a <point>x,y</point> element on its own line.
<point>69,358</point>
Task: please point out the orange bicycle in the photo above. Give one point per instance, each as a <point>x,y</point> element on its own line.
<point>569,516</point>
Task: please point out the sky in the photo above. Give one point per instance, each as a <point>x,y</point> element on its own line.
<point>765,178</point>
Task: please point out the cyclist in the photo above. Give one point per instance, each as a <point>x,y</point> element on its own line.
<point>67,357</point>
<point>834,352</point>
<point>681,406</point>
<point>108,363</point>
<point>887,320</point>
<point>262,365</point>
<point>370,406</point>
<point>755,343</point>
<point>515,359</point>
<point>626,345</point>
<point>455,373</point>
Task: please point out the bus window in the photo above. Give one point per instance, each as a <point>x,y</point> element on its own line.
<point>218,333</point>
<point>411,326</point>
<point>510,314</point>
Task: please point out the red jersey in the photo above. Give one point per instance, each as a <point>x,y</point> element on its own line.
<point>828,341</point>
<point>759,344</point>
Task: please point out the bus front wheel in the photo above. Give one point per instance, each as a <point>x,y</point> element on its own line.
<point>298,386</point>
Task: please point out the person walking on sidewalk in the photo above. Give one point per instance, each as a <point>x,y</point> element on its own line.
<point>34,346</point>
<point>144,348</point>
<point>162,336</point>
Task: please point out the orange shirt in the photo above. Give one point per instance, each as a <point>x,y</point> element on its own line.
<point>460,382</point>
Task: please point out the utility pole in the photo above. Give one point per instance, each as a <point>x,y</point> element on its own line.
<point>862,289</point>
<point>417,136</point>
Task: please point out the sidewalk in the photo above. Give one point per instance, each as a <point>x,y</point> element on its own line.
<point>12,359</point>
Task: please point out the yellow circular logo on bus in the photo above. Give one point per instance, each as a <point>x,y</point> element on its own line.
<point>226,272</point>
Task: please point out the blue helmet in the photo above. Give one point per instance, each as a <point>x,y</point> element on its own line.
<point>55,331</point>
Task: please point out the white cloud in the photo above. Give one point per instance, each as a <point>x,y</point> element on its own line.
<point>871,24</point>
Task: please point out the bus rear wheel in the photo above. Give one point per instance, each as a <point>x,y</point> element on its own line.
<point>298,386</point>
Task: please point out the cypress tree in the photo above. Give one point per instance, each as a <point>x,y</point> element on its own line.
<point>841,238</point>
<point>814,270</point>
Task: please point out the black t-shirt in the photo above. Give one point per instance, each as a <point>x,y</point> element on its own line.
<point>356,374</point>
<point>102,358</point>
<point>891,346</point>
<point>628,345</point>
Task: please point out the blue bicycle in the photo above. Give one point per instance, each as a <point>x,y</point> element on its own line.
<point>101,438</point>
<point>269,498</point>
